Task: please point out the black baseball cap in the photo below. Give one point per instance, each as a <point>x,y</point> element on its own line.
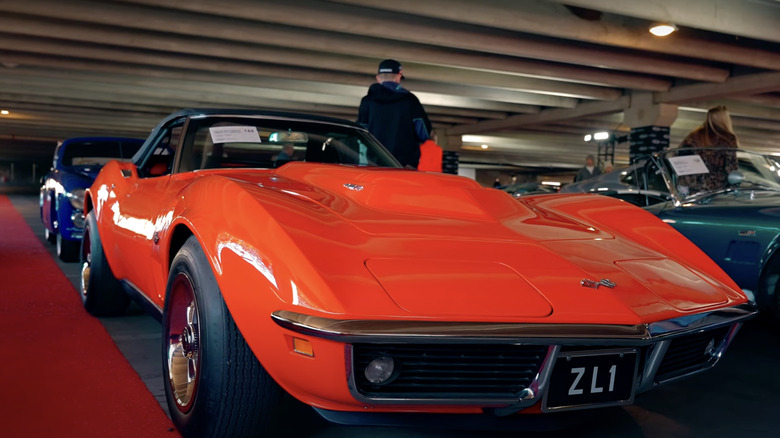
<point>390,66</point>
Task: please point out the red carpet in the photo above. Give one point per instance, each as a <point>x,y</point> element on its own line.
<point>61,375</point>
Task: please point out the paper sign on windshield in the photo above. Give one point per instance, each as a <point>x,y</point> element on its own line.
<point>688,165</point>
<point>234,134</point>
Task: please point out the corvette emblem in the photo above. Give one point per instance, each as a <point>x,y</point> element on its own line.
<point>355,187</point>
<point>595,284</point>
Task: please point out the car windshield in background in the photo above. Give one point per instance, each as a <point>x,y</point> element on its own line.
<point>697,172</point>
<point>90,153</point>
<point>249,142</point>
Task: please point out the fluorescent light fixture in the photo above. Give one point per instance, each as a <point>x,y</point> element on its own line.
<point>601,135</point>
<point>662,29</point>
<point>5,112</point>
<point>588,137</point>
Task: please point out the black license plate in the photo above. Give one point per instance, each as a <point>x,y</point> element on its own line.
<point>592,378</point>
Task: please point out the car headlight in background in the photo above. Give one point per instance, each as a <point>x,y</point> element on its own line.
<point>76,198</point>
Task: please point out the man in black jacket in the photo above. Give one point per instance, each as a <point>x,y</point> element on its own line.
<point>394,115</point>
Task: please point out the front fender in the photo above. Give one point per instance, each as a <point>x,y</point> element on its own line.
<point>636,224</point>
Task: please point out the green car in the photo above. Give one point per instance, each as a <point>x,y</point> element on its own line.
<point>726,201</point>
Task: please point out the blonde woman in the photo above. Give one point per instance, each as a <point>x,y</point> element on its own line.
<point>715,132</point>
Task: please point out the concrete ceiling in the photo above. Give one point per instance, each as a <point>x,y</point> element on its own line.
<point>528,77</point>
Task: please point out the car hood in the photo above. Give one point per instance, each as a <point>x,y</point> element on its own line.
<point>89,172</point>
<point>76,177</point>
<point>443,246</point>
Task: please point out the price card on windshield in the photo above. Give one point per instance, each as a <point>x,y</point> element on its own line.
<point>234,134</point>
<point>688,165</point>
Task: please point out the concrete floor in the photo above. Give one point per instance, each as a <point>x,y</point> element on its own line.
<point>738,398</point>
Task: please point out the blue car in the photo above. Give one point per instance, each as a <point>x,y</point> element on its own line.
<point>77,162</point>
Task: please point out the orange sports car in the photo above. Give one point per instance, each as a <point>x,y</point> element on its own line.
<point>291,254</point>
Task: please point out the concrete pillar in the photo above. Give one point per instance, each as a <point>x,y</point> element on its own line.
<point>649,122</point>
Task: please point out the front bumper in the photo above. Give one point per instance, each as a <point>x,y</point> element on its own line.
<point>509,366</point>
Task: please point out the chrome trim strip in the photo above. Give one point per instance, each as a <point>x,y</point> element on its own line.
<point>646,380</point>
<point>142,299</point>
<point>596,335</point>
<point>348,331</point>
<point>721,348</point>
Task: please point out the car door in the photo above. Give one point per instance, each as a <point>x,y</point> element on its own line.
<point>142,211</point>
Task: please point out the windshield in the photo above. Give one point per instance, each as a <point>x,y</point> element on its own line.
<point>699,172</point>
<point>261,142</point>
<point>98,152</point>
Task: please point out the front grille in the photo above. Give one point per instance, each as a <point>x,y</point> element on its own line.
<point>451,370</point>
<point>687,354</point>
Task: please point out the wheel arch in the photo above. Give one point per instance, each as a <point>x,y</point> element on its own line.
<point>179,236</point>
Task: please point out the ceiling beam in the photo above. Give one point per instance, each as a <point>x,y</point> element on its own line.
<point>399,27</point>
<point>758,21</point>
<point>241,73</point>
<point>282,35</point>
<point>551,19</point>
<point>29,34</point>
<point>747,84</point>
<point>545,116</point>
<point>266,88</point>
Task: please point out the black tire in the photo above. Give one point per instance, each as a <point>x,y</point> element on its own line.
<point>215,386</point>
<point>101,293</point>
<point>67,250</point>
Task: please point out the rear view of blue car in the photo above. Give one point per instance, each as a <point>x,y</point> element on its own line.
<point>77,162</point>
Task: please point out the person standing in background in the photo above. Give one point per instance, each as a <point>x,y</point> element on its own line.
<point>394,115</point>
<point>430,155</point>
<point>716,132</point>
<point>589,170</point>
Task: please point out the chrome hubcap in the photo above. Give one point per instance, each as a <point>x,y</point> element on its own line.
<point>182,335</point>
<point>86,267</point>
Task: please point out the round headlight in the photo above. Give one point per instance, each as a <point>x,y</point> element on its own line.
<point>76,198</point>
<point>380,370</point>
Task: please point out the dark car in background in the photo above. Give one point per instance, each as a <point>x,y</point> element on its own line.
<point>727,201</point>
<point>632,184</point>
<point>76,163</point>
<point>529,188</point>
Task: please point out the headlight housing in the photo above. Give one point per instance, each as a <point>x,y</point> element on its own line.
<point>76,198</point>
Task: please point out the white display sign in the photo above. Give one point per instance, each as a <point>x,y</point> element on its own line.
<point>688,165</point>
<point>234,134</point>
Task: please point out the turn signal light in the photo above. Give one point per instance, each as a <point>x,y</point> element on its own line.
<point>302,346</point>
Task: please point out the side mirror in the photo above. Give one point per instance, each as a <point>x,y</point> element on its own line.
<point>736,178</point>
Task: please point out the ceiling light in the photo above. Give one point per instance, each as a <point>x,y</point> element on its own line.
<point>662,29</point>
<point>484,146</point>
<point>588,137</point>
<point>5,112</point>
<point>601,135</point>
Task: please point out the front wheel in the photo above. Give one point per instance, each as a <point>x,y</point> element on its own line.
<point>101,293</point>
<point>215,385</point>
